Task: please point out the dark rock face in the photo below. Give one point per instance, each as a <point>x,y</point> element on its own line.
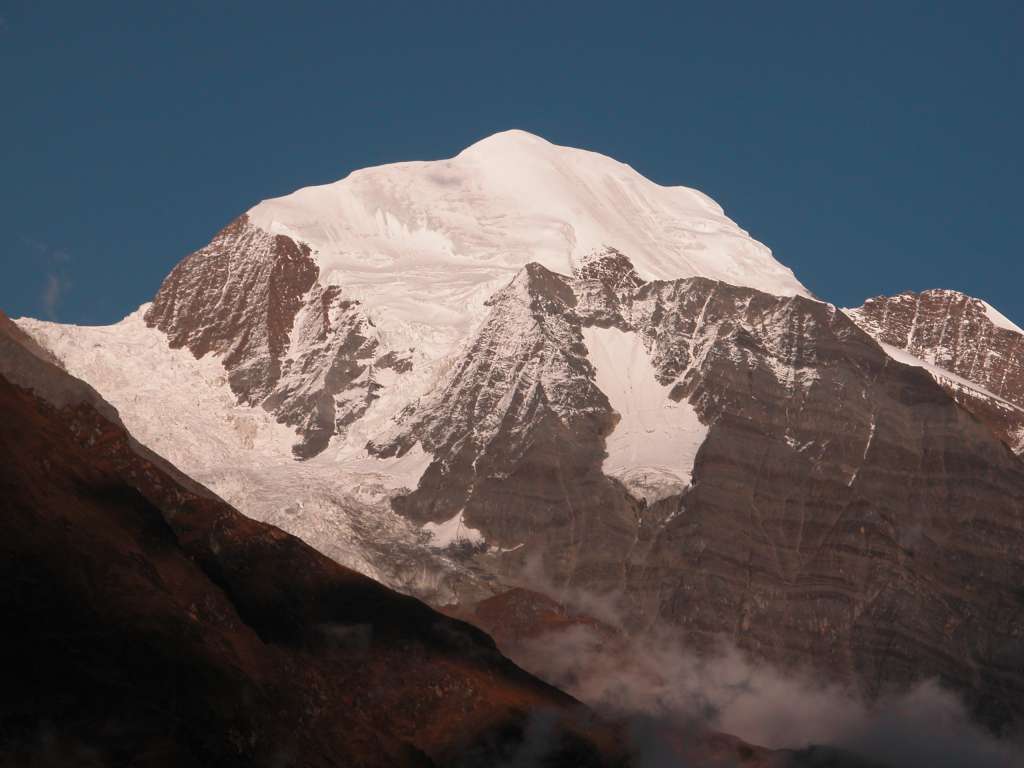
<point>601,283</point>
<point>237,297</point>
<point>845,511</point>
<point>155,625</point>
<point>325,386</point>
<point>955,332</point>
<point>291,345</point>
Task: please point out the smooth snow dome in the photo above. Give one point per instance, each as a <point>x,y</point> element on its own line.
<point>653,447</point>
<point>424,244</point>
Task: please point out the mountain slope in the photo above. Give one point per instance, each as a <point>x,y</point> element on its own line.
<point>844,511</point>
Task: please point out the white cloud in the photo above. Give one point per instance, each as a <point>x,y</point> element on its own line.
<point>54,291</point>
<point>56,283</point>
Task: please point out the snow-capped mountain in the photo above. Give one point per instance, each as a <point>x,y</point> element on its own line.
<point>452,375</point>
<point>317,301</point>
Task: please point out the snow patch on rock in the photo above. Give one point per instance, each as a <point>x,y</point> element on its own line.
<point>451,532</point>
<point>653,447</point>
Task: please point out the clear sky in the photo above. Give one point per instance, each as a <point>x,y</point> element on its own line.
<point>875,147</point>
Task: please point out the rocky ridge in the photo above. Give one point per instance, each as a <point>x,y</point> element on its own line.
<point>289,344</point>
<point>976,354</point>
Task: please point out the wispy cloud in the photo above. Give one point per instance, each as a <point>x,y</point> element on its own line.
<point>57,286</point>
<point>56,283</point>
<point>656,678</point>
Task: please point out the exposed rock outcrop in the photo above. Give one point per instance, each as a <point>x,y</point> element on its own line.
<point>288,343</point>
<point>976,354</point>
<point>237,298</point>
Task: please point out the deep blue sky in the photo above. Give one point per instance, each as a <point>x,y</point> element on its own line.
<point>876,147</point>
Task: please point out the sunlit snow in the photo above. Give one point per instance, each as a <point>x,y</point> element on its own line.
<point>424,244</point>
<point>653,447</point>
<point>451,532</point>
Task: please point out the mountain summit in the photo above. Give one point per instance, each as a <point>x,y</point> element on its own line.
<point>422,244</point>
